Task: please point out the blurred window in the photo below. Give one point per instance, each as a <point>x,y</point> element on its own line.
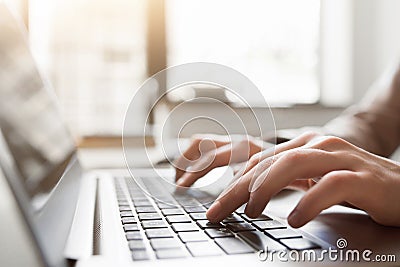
<point>274,43</point>
<point>96,52</point>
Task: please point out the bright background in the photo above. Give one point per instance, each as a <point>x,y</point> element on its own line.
<point>309,58</point>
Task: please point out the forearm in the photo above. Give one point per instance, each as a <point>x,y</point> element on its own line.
<point>374,124</point>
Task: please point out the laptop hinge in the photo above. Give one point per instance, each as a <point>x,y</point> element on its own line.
<point>80,242</point>
<point>97,222</point>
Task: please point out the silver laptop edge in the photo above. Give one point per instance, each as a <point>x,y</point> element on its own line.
<point>49,233</point>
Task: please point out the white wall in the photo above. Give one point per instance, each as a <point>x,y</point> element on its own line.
<point>376,40</point>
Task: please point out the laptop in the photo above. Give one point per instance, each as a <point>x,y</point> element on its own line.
<point>54,213</point>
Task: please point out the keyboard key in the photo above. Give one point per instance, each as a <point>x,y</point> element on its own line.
<point>178,219</point>
<point>158,233</point>
<point>166,198</point>
<point>240,210</point>
<point>199,249</point>
<point>233,218</point>
<point>131,227</point>
<point>167,206</point>
<point>185,227</point>
<point>220,232</point>
<point>174,211</point>
<point>154,224</point>
<point>192,236</point>
<point>136,245</point>
<point>127,220</point>
<point>124,208</point>
<point>239,227</point>
<point>265,225</point>
<point>142,203</point>
<point>134,235</point>
<point>299,243</point>
<point>126,214</point>
<point>206,224</point>
<point>149,216</point>
<point>147,209</point>
<point>200,195</point>
<point>262,217</point>
<point>198,216</point>
<point>282,233</point>
<point>260,241</point>
<point>121,198</point>
<point>194,209</point>
<point>188,202</point>
<point>163,243</point>
<point>171,253</point>
<point>233,245</point>
<point>137,195</point>
<point>208,205</point>
<point>140,255</point>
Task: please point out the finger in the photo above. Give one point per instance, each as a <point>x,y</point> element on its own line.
<point>181,163</point>
<point>330,143</point>
<point>261,170</point>
<point>245,148</point>
<point>291,165</point>
<point>211,160</point>
<point>302,185</point>
<point>256,159</point>
<point>197,148</point>
<point>237,168</point>
<point>334,188</point>
<point>291,144</point>
<point>299,141</point>
<point>225,205</point>
<point>224,155</point>
<point>250,176</point>
<point>235,195</point>
<point>238,193</point>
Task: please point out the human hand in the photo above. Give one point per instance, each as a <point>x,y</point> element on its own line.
<point>207,152</point>
<point>345,172</point>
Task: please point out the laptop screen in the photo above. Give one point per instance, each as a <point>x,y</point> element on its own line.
<point>30,122</point>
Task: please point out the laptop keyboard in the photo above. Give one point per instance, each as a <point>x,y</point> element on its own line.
<point>170,225</point>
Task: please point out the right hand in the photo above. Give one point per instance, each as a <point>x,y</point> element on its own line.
<point>345,173</point>
<point>207,152</point>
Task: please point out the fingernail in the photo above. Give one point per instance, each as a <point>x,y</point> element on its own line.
<point>295,219</point>
<point>181,182</point>
<point>214,211</point>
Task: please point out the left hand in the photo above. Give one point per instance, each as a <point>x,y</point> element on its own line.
<point>207,152</point>
<point>346,173</point>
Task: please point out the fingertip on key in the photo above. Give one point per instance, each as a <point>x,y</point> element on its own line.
<point>214,212</point>
<point>295,219</point>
